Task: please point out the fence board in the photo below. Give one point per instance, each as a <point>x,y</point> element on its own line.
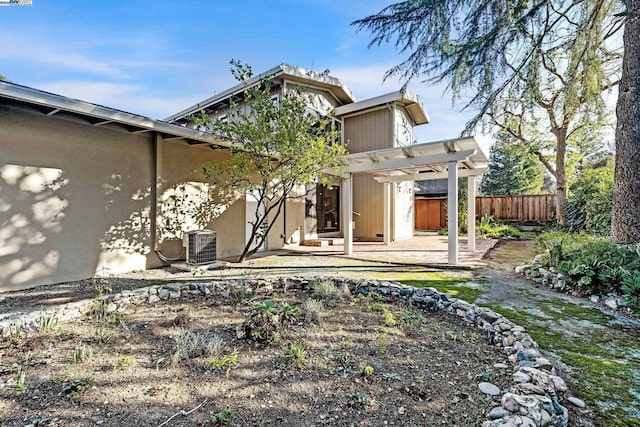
<point>517,208</point>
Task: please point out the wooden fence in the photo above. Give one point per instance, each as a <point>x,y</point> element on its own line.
<point>431,213</point>
<point>517,208</point>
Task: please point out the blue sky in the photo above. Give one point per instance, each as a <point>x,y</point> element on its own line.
<point>157,57</point>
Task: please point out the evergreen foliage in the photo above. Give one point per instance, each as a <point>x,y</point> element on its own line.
<point>534,69</point>
<point>512,171</point>
<point>589,205</point>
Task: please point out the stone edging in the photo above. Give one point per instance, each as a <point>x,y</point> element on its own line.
<point>532,401</point>
<point>539,273</point>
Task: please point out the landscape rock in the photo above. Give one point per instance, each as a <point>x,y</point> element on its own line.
<point>576,402</point>
<point>489,388</point>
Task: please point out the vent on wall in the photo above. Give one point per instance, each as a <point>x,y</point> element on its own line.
<point>201,246</point>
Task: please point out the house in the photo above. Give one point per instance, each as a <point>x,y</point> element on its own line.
<point>382,122</point>
<point>87,189</point>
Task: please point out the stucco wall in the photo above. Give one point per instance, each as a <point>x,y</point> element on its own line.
<point>74,200</point>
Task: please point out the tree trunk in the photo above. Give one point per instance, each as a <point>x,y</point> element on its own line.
<point>561,176</point>
<point>625,219</point>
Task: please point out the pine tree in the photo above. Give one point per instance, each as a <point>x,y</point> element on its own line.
<point>512,171</point>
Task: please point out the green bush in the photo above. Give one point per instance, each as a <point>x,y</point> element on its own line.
<point>593,265</point>
<point>488,228</point>
<point>631,290</point>
<point>589,205</point>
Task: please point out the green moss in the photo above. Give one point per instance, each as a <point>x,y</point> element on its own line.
<point>604,359</point>
<point>451,287</point>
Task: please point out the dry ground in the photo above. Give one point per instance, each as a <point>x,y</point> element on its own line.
<point>365,363</point>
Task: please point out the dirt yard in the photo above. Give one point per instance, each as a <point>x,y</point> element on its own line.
<point>300,357</point>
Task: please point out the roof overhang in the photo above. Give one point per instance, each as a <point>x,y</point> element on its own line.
<point>288,72</point>
<point>408,100</point>
<point>50,104</point>
<point>420,161</point>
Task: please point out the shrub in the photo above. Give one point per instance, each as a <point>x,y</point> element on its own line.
<point>631,290</point>
<point>313,311</point>
<point>489,228</point>
<point>593,265</point>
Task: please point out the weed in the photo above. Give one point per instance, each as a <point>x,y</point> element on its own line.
<point>410,318</point>
<point>451,335</point>
<point>290,313</point>
<point>376,307</point>
<point>362,398</point>
<point>21,386</point>
<point>76,385</point>
<point>366,370</point>
<point>294,354</point>
<point>190,345</point>
<point>15,330</point>
<point>225,363</point>
<point>389,376</point>
<point>46,323</point>
<point>389,318</point>
<point>383,339</point>
<point>123,362</point>
<point>102,333</point>
<point>101,285</point>
<point>327,291</point>
<point>223,416</point>
<point>38,422</point>
<point>313,311</point>
<point>82,353</point>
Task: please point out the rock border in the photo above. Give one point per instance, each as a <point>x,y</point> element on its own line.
<point>548,276</point>
<point>532,401</point>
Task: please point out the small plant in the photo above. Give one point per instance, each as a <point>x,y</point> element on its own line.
<point>21,386</point>
<point>102,286</point>
<point>451,335</point>
<point>362,398</point>
<point>76,385</point>
<point>410,318</point>
<point>102,333</point>
<point>289,313</point>
<point>327,291</point>
<point>46,323</point>
<point>389,376</point>
<point>123,362</point>
<point>190,345</point>
<point>225,363</point>
<point>82,353</point>
<point>38,422</point>
<point>223,416</point>
<point>631,290</point>
<point>294,354</point>
<point>384,337</point>
<point>313,311</point>
<point>15,331</point>
<point>366,370</point>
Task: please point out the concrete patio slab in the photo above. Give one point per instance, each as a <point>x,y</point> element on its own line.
<point>424,249</point>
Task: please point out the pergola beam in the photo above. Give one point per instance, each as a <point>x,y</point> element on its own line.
<point>428,176</point>
<point>411,162</point>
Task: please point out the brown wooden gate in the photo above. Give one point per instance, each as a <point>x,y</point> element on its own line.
<point>430,214</point>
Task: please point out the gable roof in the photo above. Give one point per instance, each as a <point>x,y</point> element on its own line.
<point>40,102</point>
<point>408,100</point>
<point>285,71</point>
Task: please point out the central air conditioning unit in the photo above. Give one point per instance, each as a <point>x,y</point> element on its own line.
<point>201,246</point>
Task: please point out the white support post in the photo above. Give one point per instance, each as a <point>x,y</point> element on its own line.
<point>387,213</point>
<point>452,212</point>
<point>471,213</point>
<point>347,214</point>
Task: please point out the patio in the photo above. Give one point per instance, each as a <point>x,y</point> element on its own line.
<point>424,249</point>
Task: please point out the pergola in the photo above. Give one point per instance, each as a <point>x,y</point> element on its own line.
<point>450,159</point>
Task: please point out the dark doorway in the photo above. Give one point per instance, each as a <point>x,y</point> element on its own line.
<point>328,209</point>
